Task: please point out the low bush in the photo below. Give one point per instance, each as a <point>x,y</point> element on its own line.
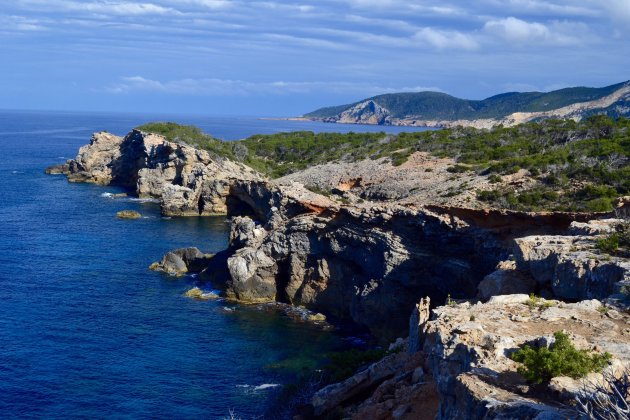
<point>618,242</point>
<point>560,359</point>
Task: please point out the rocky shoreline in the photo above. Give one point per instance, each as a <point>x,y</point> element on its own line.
<point>372,262</point>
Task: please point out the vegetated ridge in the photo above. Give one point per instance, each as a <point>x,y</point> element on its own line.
<point>441,109</point>
<point>559,165</point>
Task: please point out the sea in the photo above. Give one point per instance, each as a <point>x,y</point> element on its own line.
<point>88,331</point>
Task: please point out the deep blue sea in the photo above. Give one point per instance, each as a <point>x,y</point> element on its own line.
<point>86,330</point>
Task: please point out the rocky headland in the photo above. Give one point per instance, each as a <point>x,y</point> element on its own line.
<point>369,254</point>
<point>186,180</point>
<point>436,109</point>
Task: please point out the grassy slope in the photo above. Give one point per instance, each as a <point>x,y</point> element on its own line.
<point>440,106</point>
<point>577,166</point>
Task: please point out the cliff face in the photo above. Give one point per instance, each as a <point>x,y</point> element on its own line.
<point>371,263</point>
<point>367,262</point>
<point>187,181</point>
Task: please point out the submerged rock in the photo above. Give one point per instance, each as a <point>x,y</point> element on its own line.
<point>128,214</point>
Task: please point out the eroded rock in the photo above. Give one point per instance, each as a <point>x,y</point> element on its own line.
<point>181,261</point>
<point>188,181</point>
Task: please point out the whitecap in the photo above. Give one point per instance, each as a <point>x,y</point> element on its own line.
<point>265,386</point>
<point>17,172</point>
<point>107,195</point>
<point>259,387</point>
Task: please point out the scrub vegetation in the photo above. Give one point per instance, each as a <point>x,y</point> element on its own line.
<point>574,166</point>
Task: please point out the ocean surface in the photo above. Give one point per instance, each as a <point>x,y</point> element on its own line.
<point>86,330</point>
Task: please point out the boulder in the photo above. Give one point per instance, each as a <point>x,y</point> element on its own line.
<point>332,396</point>
<point>197,293</point>
<point>505,281</point>
<point>62,169</point>
<point>182,261</point>
<point>571,266</point>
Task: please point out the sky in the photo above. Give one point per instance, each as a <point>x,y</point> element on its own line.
<point>276,58</point>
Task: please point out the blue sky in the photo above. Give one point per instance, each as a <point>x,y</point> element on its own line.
<point>273,58</point>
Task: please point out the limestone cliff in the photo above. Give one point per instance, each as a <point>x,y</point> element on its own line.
<point>370,263</point>
<point>187,181</point>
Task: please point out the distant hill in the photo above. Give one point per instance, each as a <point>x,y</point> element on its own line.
<point>436,108</point>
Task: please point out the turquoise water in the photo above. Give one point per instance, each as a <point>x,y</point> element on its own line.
<point>86,330</point>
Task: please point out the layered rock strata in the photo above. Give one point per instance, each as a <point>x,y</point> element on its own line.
<point>367,264</point>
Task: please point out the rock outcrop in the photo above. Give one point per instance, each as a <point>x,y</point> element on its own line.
<point>468,346</point>
<point>188,181</point>
<point>368,112</point>
<point>464,363</point>
<point>570,267</point>
<point>181,261</point>
<point>369,265</point>
<point>128,214</point>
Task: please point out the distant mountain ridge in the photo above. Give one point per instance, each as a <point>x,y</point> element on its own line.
<point>441,109</point>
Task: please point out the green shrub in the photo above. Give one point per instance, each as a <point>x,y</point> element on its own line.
<point>494,178</point>
<point>618,242</point>
<point>318,190</point>
<point>491,195</point>
<point>609,244</point>
<point>561,359</point>
<point>602,204</point>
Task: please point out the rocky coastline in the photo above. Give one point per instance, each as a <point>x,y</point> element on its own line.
<point>371,112</point>
<point>372,262</point>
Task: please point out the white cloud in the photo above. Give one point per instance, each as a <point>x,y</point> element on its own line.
<point>20,24</point>
<point>521,32</point>
<point>563,8</point>
<point>443,39</point>
<point>618,10</point>
<point>102,7</point>
<point>210,4</point>
<point>517,30</point>
<point>227,87</point>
